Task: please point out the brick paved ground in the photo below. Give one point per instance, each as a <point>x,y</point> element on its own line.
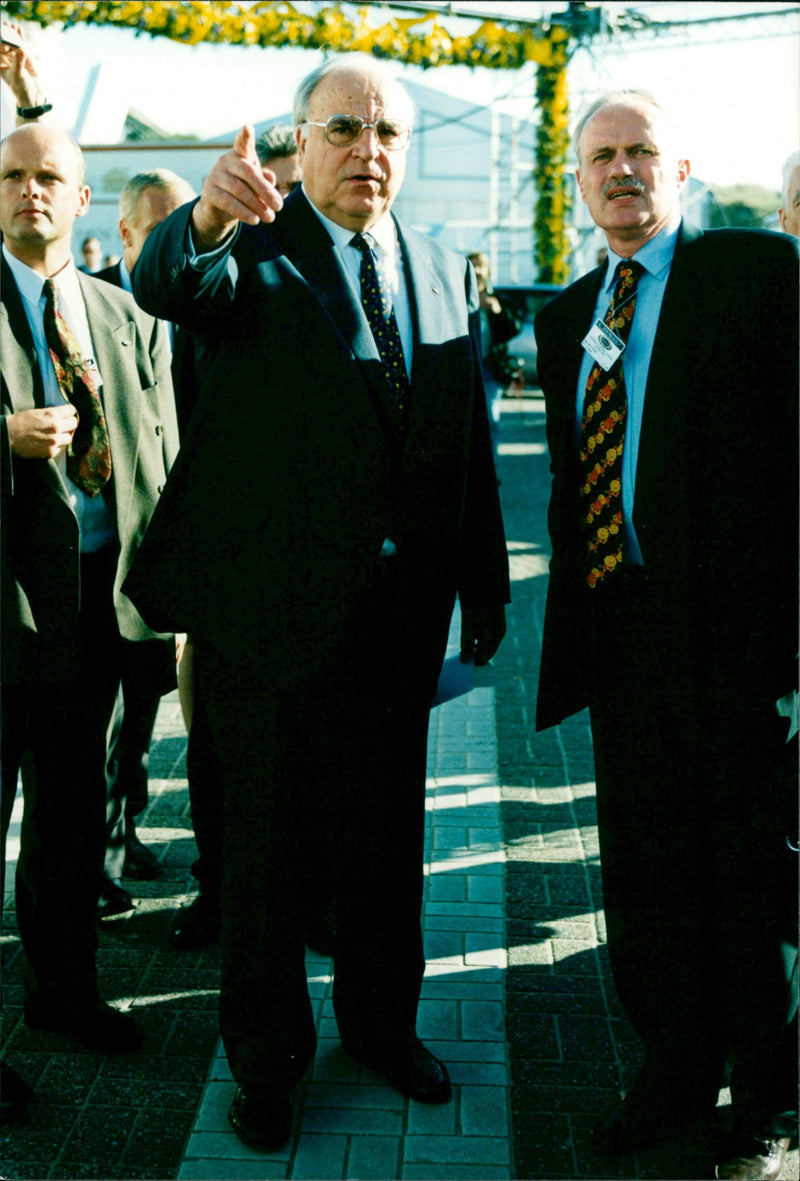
<point>518,996</point>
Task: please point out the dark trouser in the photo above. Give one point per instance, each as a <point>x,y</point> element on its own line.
<point>694,780</point>
<point>128,761</point>
<point>204,775</point>
<point>363,724</point>
<point>58,734</point>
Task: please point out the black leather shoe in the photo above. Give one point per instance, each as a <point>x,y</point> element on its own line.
<point>97,1026</point>
<point>15,1095</point>
<point>197,925</point>
<point>753,1158</point>
<point>141,863</point>
<point>113,899</point>
<point>409,1066</point>
<point>262,1119</point>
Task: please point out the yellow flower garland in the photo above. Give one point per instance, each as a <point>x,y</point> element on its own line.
<point>419,40</point>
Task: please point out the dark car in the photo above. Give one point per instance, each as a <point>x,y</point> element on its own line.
<point>526,302</point>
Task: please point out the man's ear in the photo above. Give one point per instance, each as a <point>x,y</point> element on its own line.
<point>84,196</point>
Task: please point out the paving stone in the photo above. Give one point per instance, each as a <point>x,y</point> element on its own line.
<point>374,1158</point>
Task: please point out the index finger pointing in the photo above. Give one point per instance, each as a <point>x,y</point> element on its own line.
<point>245,143</point>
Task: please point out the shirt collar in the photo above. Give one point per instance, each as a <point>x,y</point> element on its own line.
<point>655,256</point>
<point>125,277</point>
<point>382,232</point>
<point>31,283</point>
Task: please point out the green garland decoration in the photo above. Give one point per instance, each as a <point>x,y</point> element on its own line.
<point>553,198</point>
<point>419,40</point>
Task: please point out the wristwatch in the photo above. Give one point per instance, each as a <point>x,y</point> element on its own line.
<point>34,112</point>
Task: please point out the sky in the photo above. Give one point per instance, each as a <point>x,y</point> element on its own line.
<point>735,92</point>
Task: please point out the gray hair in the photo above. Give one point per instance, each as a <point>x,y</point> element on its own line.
<point>345,61</point>
<point>789,166</point>
<point>277,141</point>
<point>158,178</point>
<point>609,99</point>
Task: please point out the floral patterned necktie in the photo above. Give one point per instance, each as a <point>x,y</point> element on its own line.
<point>89,453</point>
<point>602,441</point>
<point>381,317</point>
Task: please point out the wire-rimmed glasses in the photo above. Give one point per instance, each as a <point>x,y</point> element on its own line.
<point>343,130</point>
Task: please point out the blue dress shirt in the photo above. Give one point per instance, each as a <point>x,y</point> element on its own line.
<point>656,259</point>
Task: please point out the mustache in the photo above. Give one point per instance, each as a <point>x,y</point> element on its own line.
<point>632,182</point>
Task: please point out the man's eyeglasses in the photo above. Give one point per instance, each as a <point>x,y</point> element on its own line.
<point>342,130</point>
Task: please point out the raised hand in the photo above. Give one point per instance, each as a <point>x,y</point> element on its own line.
<point>18,71</point>
<point>236,189</point>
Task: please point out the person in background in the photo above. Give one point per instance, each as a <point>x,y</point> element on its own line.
<point>92,253</point>
<point>145,200</point>
<point>313,545</point>
<point>87,435</point>
<point>276,149</point>
<point>672,613</point>
<point>499,325</point>
<point>789,212</point>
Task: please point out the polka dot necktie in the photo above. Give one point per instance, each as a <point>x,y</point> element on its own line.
<point>89,453</point>
<point>602,441</point>
<point>381,317</point>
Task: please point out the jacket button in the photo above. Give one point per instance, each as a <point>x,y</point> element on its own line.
<point>159,430</point>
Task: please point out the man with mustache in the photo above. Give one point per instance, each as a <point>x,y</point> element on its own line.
<point>671,613</point>
<point>334,493</point>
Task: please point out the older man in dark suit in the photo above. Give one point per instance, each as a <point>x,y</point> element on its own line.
<point>336,492</point>
<point>670,376</point>
<point>87,434</point>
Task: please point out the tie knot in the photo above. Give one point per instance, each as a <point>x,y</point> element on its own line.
<point>361,243</point>
<point>628,271</point>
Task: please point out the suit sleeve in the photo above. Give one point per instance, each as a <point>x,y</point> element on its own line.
<point>483,579</point>
<point>167,285</point>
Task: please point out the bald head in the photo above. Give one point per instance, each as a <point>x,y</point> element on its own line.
<point>42,191</point>
<point>31,133</point>
<point>366,72</point>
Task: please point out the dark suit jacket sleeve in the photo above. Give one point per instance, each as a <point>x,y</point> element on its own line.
<point>167,286</point>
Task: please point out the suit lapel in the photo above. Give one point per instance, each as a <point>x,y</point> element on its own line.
<point>677,353</point>
<point>20,363</point>
<point>307,248</point>
<point>113,334</point>
<point>425,287</point>
<point>566,323</point>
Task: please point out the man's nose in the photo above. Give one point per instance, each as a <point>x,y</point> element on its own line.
<point>621,164</point>
<point>367,143</point>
